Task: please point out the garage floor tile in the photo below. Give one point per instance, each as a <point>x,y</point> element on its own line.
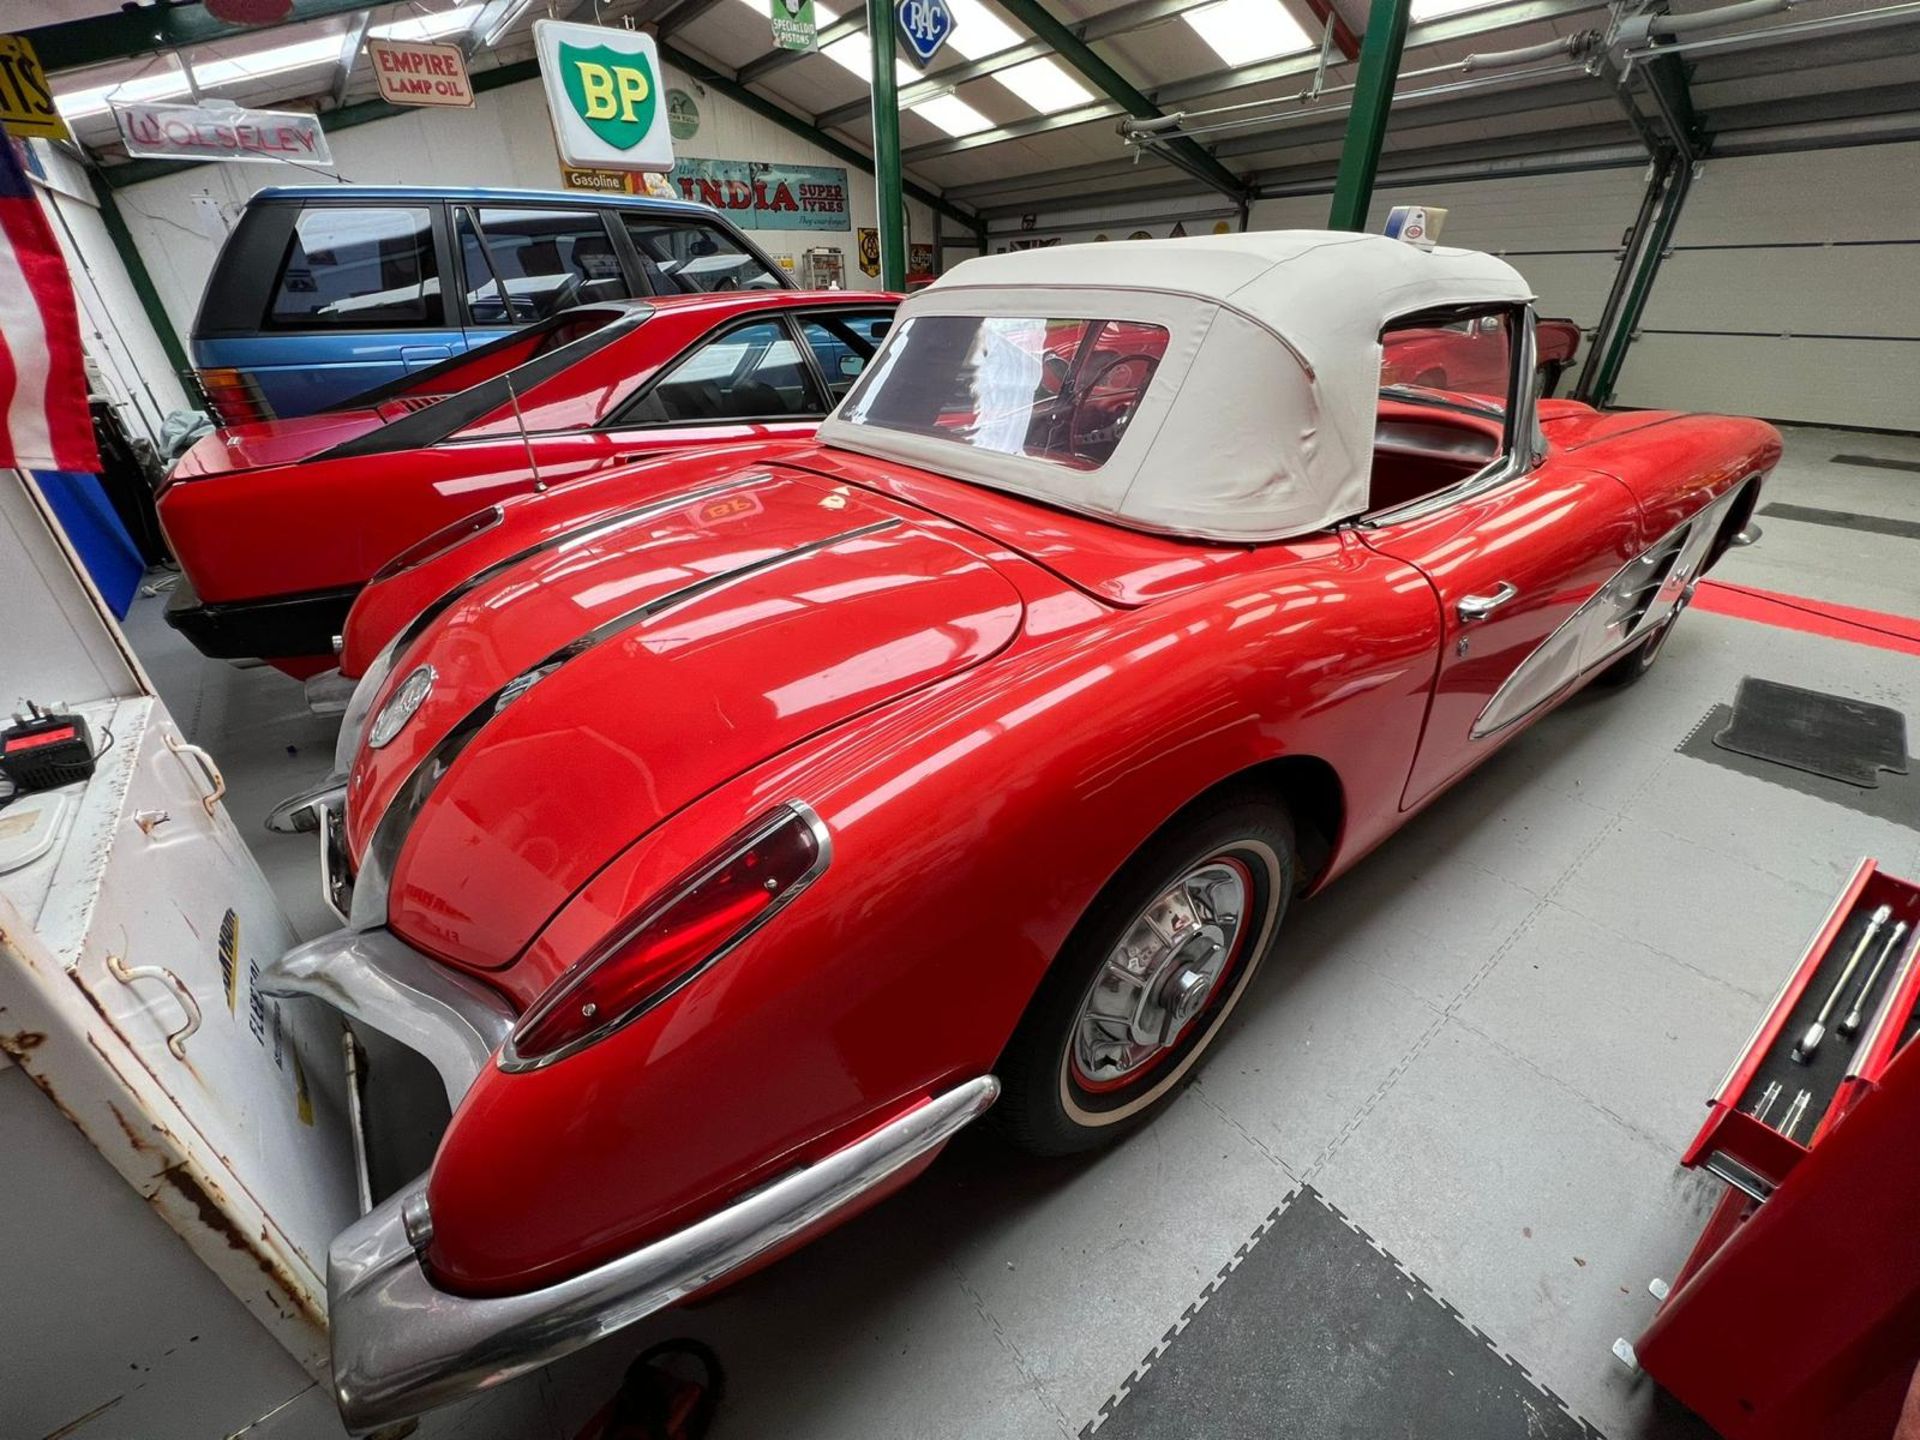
<point>1426,926</point>
<point>1539,1217</point>
<point>1636,1034</point>
<point>1627,886</point>
<point>1308,1045</point>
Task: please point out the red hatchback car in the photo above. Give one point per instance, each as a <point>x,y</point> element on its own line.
<point>278,523</point>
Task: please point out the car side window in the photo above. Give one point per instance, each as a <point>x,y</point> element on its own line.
<point>679,257</point>
<point>1446,391</point>
<point>358,267</point>
<point>751,372</point>
<point>538,262</point>
<point>843,345</point>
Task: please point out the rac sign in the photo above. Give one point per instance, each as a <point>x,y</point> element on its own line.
<point>925,25</point>
<point>604,94</point>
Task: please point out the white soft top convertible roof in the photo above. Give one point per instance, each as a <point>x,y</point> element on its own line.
<point>1258,423</point>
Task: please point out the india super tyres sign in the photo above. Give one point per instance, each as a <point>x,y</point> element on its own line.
<point>604,92</point>
<point>764,196</point>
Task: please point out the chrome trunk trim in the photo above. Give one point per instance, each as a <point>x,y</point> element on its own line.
<point>565,540</point>
<point>390,833</point>
<point>402,1346</point>
<point>377,979</point>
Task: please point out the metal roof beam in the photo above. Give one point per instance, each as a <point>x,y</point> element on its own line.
<point>145,29</point>
<point>1121,20</point>
<point>756,70</point>
<point>1476,99</point>
<point>1018,130</point>
<point>349,57</point>
<point>1446,30</point>
<point>1081,57</point>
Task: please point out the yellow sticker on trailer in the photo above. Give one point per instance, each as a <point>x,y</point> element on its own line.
<point>26,99</point>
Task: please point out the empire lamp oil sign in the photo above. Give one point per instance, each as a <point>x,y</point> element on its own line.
<point>604,92</point>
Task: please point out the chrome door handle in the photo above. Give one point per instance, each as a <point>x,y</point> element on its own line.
<point>1479,607</point>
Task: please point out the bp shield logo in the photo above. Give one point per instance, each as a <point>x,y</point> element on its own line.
<point>603,89</point>
<point>615,94</point>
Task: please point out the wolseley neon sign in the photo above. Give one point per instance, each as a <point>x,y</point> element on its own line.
<point>217,130</point>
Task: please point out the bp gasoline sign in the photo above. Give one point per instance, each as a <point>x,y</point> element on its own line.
<point>605,95</point>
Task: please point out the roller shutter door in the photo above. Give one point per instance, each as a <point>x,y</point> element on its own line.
<point>1793,292</point>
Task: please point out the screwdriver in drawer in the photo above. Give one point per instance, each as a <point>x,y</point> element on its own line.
<point>1803,1050</point>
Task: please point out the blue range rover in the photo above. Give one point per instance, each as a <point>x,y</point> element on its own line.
<point>322,292</point>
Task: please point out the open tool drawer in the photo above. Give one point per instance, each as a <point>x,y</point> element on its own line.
<point>1858,981</point>
<point>1798,1311</point>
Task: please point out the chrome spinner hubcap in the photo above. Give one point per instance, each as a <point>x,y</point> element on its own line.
<point>1161,974</point>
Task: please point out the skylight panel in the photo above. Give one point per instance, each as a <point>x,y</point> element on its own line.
<point>216,74</point>
<point>854,54</point>
<point>978,32</point>
<point>1243,31</point>
<point>952,115</point>
<point>1044,85</point>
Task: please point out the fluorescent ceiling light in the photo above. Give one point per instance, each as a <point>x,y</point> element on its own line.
<point>1044,85</point>
<point>213,74</point>
<point>1243,31</point>
<point>952,115</point>
<point>978,32</point>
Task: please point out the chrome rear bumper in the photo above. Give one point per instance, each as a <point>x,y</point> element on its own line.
<point>402,1346</point>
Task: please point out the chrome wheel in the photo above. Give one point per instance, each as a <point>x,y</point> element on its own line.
<point>1159,979</point>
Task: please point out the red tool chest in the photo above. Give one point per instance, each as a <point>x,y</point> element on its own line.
<point>1798,1312</point>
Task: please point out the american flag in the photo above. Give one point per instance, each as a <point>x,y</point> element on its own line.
<point>43,381</point>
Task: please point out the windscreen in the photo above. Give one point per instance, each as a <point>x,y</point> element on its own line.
<point>1053,389</point>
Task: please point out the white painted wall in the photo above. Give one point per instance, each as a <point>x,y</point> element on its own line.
<point>179,221</point>
<point>129,362</point>
<point>1793,292</point>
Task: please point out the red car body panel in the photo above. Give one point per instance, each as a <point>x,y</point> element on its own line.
<point>1002,704</point>
<point>260,513</point>
<point>989,704</point>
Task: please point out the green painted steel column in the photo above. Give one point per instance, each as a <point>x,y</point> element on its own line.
<point>1380,51</point>
<point>886,149</point>
<point>1613,358</point>
<point>143,285</point>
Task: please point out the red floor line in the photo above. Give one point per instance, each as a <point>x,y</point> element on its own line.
<point>1899,633</point>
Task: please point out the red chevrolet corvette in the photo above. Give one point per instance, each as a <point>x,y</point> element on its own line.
<point>729,850</point>
<point>278,523</point>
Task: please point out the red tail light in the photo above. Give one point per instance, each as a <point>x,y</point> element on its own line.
<point>706,913</point>
<point>232,396</point>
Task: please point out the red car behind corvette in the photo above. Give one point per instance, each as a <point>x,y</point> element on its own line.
<point>279,523</point>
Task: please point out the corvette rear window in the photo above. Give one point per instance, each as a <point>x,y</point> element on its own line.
<point>1060,390</point>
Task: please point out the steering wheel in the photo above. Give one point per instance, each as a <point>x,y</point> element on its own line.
<point>1082,432</point>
